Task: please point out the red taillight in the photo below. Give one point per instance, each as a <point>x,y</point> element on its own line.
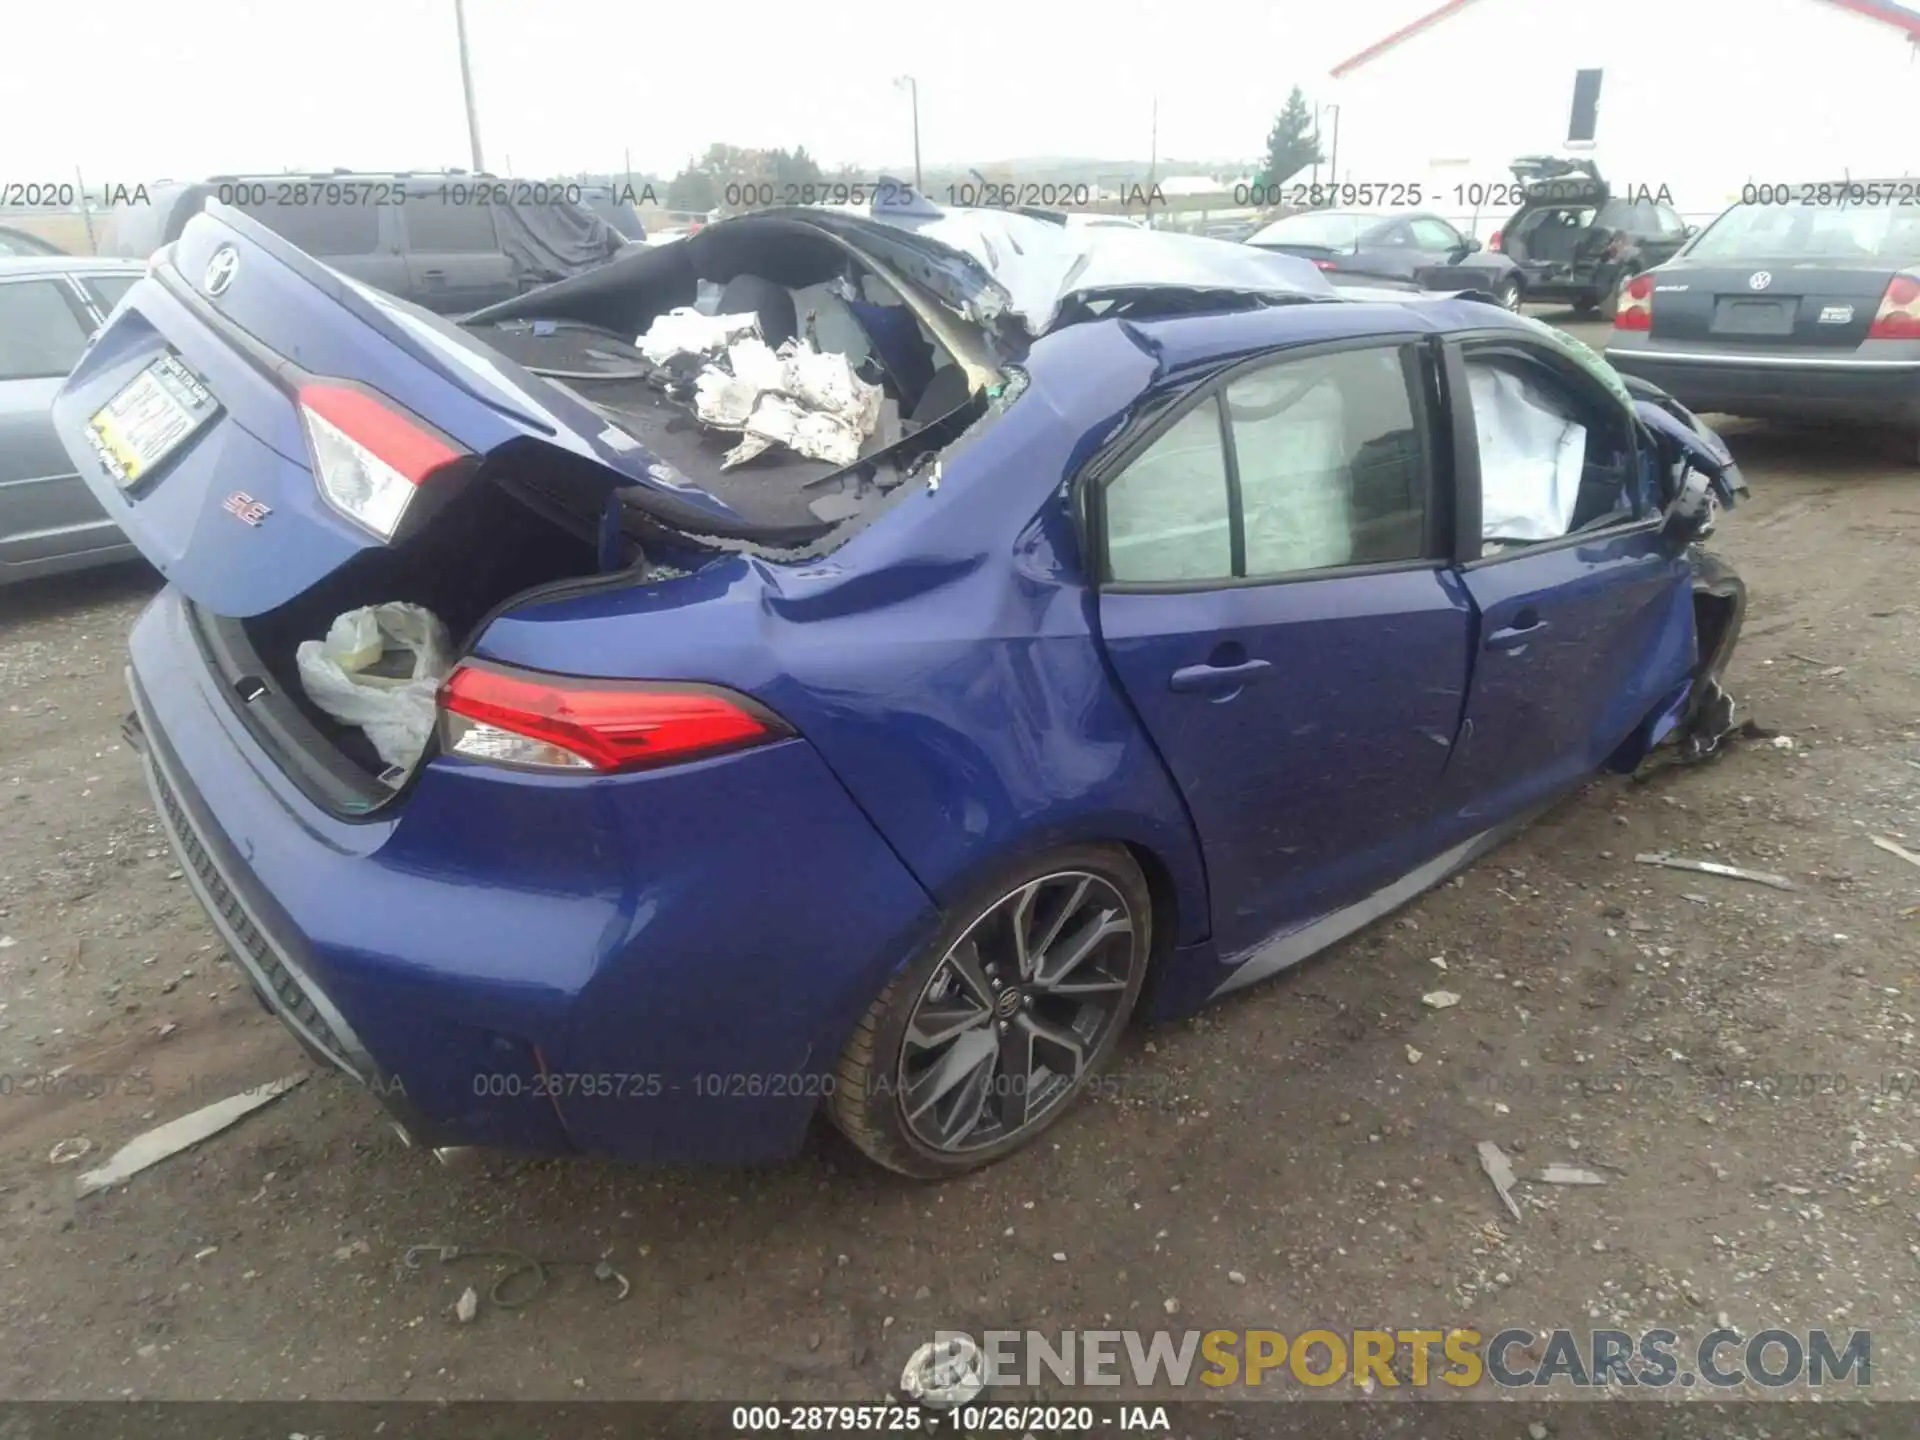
<point>368,456</point>
<point>381,429</point>
<point>1899,314</point>
<point>1635,311</point>
<point>555,722</point>
<point>1493,243</point>
<point>1326,265</point>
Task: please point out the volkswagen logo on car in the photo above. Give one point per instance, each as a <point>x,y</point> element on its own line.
<point>221,269</point>
<point>1760,280</point>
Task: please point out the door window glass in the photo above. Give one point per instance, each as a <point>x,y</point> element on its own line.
<point>435,225</point>
<point>322,229</point>
<point>40,331</point>
<point>1167,512</point>
<point>1434,234</point>
<point>107,289</point>
<point>1331,467</point>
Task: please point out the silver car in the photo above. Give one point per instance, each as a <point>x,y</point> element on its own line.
<point>50,307</point>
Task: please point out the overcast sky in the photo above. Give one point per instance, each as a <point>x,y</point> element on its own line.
<point>131,89</point>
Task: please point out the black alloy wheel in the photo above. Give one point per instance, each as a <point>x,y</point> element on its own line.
<point>984,1040</point>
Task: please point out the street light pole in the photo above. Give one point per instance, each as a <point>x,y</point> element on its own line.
<point>912,87</point>
<point>466,84</point>
<point>1333,159</point>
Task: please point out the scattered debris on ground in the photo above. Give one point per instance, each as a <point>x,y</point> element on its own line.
<point>1500,1171</point>
<point>1714,867</point>
<point>170,1139</point>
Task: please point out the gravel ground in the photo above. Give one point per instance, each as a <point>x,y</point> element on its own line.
<point>1736,1060</point>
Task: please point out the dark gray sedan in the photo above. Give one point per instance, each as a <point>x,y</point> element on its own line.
<point>1409,245</point>
<point>50,307</point>
<point>1805,308</point>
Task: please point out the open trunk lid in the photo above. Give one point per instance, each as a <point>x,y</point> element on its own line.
<point>190,417</point>
<point>1548,178</point>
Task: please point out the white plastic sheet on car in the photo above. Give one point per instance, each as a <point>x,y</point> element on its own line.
<point>797,396</point>
<point>688,332</point>
<point>395,711</point>
<point>1531,457</point>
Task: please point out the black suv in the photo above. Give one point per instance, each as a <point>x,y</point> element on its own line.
<point>449,241</point>
<point>1576,241</point>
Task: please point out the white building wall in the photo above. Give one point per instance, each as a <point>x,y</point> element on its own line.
<point>1699,96</point>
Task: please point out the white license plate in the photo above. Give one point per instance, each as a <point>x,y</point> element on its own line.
<point>151,417</point>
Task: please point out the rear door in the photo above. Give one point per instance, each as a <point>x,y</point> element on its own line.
<point>455,264</point>
<point>1584,621</point>
<point>1390,249</point>
<point>45,508</point>
<point>1275,606</point>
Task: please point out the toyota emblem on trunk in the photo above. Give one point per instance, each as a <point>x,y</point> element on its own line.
<point>1760,280</point>
<point>221,269</point>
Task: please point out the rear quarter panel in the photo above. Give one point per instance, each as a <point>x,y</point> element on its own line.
<point>945,661</point>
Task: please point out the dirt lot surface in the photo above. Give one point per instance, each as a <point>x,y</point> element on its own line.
<point>1737,1060</point>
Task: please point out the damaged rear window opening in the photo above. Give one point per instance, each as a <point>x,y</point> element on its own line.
<point>766,363</point>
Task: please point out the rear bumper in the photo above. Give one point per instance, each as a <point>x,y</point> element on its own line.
<point>657,967</point>
<point>1887,393</point>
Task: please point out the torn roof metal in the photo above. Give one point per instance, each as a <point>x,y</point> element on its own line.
<point>999,262</point>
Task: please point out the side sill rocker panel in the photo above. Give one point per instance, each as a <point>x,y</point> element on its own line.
<point>1316,935</point>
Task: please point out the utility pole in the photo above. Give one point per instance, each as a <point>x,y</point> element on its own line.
<point>1153,158</point>
<point>1333,159</point>
<point>466,84</point>
<point>912,87</point>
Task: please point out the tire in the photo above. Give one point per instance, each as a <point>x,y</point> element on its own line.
<point>1077,892</point>
<point>1608,304</point>
<point>1508,294</point>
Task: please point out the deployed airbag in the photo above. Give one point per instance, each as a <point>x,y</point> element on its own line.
<point>796,396</point>
<point>1531,457</point>
<point>689,332</point>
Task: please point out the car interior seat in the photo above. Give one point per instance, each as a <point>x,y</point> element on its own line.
<point>756,295</point>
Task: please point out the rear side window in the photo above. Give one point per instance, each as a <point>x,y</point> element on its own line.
<point>1433,234</point>
<point>1322,466</point>
<point>1167,514</point>
<point>41,334</point>
<point>323,229</point>
<point>434,224</point>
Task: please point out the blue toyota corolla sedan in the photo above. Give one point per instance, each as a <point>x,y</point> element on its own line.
<point>887,650</point>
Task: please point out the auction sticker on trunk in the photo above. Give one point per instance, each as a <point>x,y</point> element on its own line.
<point>149,419</point>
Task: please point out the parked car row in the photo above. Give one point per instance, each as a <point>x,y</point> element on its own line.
<point>50,308</point>
<point>1571,241</point>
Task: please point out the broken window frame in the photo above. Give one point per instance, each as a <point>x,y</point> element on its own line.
<point>1592,399</point>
